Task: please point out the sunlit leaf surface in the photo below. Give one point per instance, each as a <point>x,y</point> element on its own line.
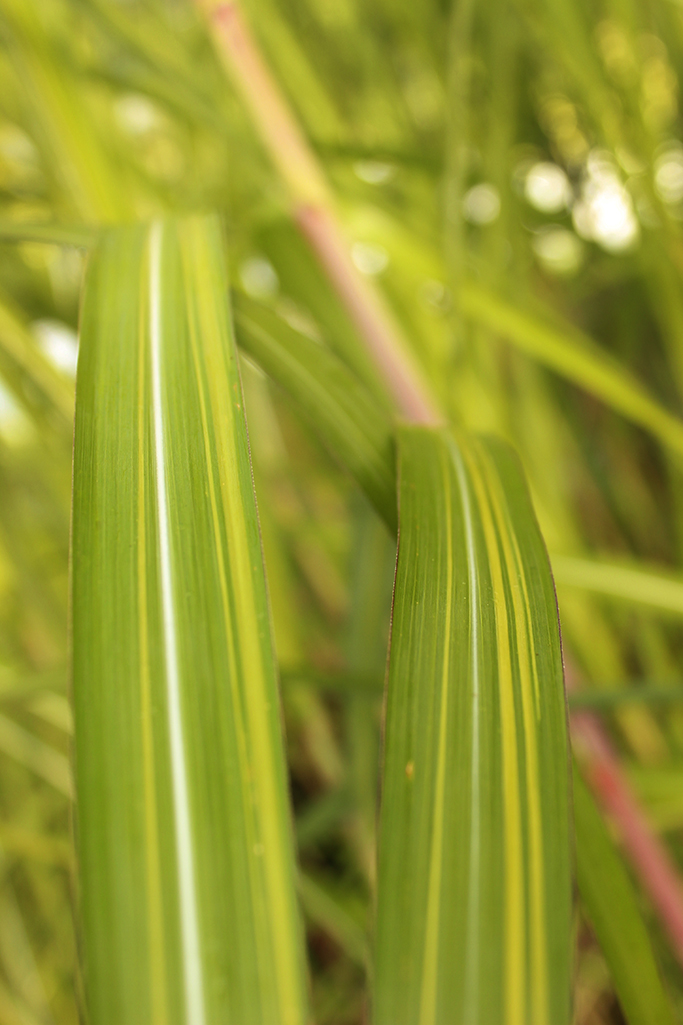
<point>473,920</point>
<point>183,824</point>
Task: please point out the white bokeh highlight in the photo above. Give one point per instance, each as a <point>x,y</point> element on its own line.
<point>547,188</point>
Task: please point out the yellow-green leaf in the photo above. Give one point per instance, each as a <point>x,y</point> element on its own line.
<point>185,841</point>
<point>474,893</point>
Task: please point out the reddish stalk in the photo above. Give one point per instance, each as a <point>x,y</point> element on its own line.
<point>312,210</point>
<point>657,873</point>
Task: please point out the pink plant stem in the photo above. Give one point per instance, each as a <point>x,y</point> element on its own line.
<point>368,312</point>
<point>648,855</point>
<point>312,209</point>
<point>314,215</point>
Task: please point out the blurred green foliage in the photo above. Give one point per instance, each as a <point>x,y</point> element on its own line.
<point>532,147</point>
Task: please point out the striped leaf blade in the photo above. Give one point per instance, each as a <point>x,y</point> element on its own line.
<point>474,895</point>
<point>185,842</point>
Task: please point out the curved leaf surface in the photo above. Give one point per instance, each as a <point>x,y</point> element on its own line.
<point>185,841</point>
<point>474,892</point>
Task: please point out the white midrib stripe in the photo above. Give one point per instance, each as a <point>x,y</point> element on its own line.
<point>471,1000</point>
<point>189,925</point>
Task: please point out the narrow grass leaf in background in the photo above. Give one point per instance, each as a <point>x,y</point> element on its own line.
<point>305,281</point>
<point>23,363</point>
<point>356,431</point>
<point>185,844</point>
<point>631,582</point>
<point>474,891</point>
<point>576,358</point>
<point>612,907</point>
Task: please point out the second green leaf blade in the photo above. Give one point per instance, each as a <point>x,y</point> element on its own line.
<point>186,852</point>
<point>474,891</point>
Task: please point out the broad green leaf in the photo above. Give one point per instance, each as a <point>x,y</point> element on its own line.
<point>337,404</point>
<point>185,841</point>
<point>644,585</point>
<point>474,892</point>
<point>578,359</point>
<point>612,907</point>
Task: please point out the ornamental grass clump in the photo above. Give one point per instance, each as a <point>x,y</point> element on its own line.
<point>372,318</point>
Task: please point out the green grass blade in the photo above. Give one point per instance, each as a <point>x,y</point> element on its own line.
<point>612,907</point>
<point>327,913</point>
<point>644,585</point>
<point>474,891</point>
<point>77,235</point>
<point>578,359</point>
<point>304,281</point>
<point>37,756</point>
<point>57,116</point>
<point>648,692</point>
<point>185,839</point>
<point>344,414</point>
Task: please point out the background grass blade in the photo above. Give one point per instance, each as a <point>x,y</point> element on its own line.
<point>185,838</point>
<point>23,364</point>
<point>612,906</point>
<point>576,358</point>
<point>53,105</point>
<point>305,281</point>
<point>643,585</point>
<point>473,920</point>
<point>343,412</point>
<point>78,236</point>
